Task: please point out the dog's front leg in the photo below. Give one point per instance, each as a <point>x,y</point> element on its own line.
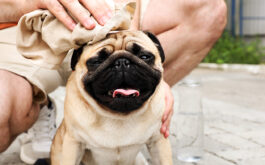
<point>72,151</point>
<point>160,150</point>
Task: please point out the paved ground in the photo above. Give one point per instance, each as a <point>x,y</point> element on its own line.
<point>234,109</point>
<point>234,112</point>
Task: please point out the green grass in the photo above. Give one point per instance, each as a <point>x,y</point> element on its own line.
<point>234,50</point>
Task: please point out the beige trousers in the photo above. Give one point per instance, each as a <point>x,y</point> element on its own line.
<point>43,80</point>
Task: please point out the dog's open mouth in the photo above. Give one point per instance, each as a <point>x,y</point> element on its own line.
<point>123,92</point>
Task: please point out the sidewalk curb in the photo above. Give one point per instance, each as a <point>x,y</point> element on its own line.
<point>255,69</point>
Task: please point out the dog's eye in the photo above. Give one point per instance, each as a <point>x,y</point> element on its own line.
<point>144,57</point>
<point>97,62</point>
<point>94,61</point>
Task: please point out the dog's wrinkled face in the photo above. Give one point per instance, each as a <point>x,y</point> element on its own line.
<point>122,71</point>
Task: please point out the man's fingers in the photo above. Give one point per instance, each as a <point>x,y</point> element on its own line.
<point>59,12</point>
<point>169,121</point>
<point>79,12</point>
<point>169,103</point>
<point>99,9</point>
<point>169,109</point>
<point>165,126</point>
<point>166,123</point>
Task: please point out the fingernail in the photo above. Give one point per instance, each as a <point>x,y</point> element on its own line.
<point>167,134</point>
<point>104,20</point>
<point>110,14</point>
<point>89,24</point>
<point>72,26</point>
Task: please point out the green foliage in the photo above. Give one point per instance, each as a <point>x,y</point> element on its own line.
<point>234,50</point>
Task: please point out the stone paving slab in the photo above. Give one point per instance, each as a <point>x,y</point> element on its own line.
<point>255,161</point>
<point>234,112</point>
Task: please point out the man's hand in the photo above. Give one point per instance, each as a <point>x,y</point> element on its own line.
<point>78,9</point>
<point>168,112</point>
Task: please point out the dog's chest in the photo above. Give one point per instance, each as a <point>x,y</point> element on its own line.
<point>109,133</point>
<point>117,142</point>
<point>126,155</point>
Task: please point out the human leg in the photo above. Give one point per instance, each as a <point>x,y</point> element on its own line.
<point>187,29</point>
<point>17,111</point>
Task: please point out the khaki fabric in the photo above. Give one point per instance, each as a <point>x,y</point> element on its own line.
<point>45,40</point>
<point>43,80</point>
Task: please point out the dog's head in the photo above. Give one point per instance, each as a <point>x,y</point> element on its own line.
<point>122,71</point>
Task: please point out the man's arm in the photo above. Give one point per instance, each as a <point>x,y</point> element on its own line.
<point>187,30</point>
<point>12,10</point>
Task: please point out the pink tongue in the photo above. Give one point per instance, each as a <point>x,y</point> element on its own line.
<point>125,92</point>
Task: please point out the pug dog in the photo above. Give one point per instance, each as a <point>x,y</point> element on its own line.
<point>114,103</point>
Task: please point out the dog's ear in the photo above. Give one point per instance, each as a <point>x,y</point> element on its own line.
<point>75,57</point>
<point>157,43</point>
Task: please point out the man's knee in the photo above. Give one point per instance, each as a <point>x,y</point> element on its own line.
<point>194,13</point>
<point>11,124</point>
<point>17,111</point>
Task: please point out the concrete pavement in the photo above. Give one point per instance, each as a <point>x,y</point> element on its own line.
<point>234,112</point>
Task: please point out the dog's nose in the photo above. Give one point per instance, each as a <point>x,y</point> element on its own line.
<point>122,63</point>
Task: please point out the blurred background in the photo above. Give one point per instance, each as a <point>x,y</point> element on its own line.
<point>243,41</point>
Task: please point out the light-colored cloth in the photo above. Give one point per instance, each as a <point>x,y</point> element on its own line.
<point>45,40</point>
